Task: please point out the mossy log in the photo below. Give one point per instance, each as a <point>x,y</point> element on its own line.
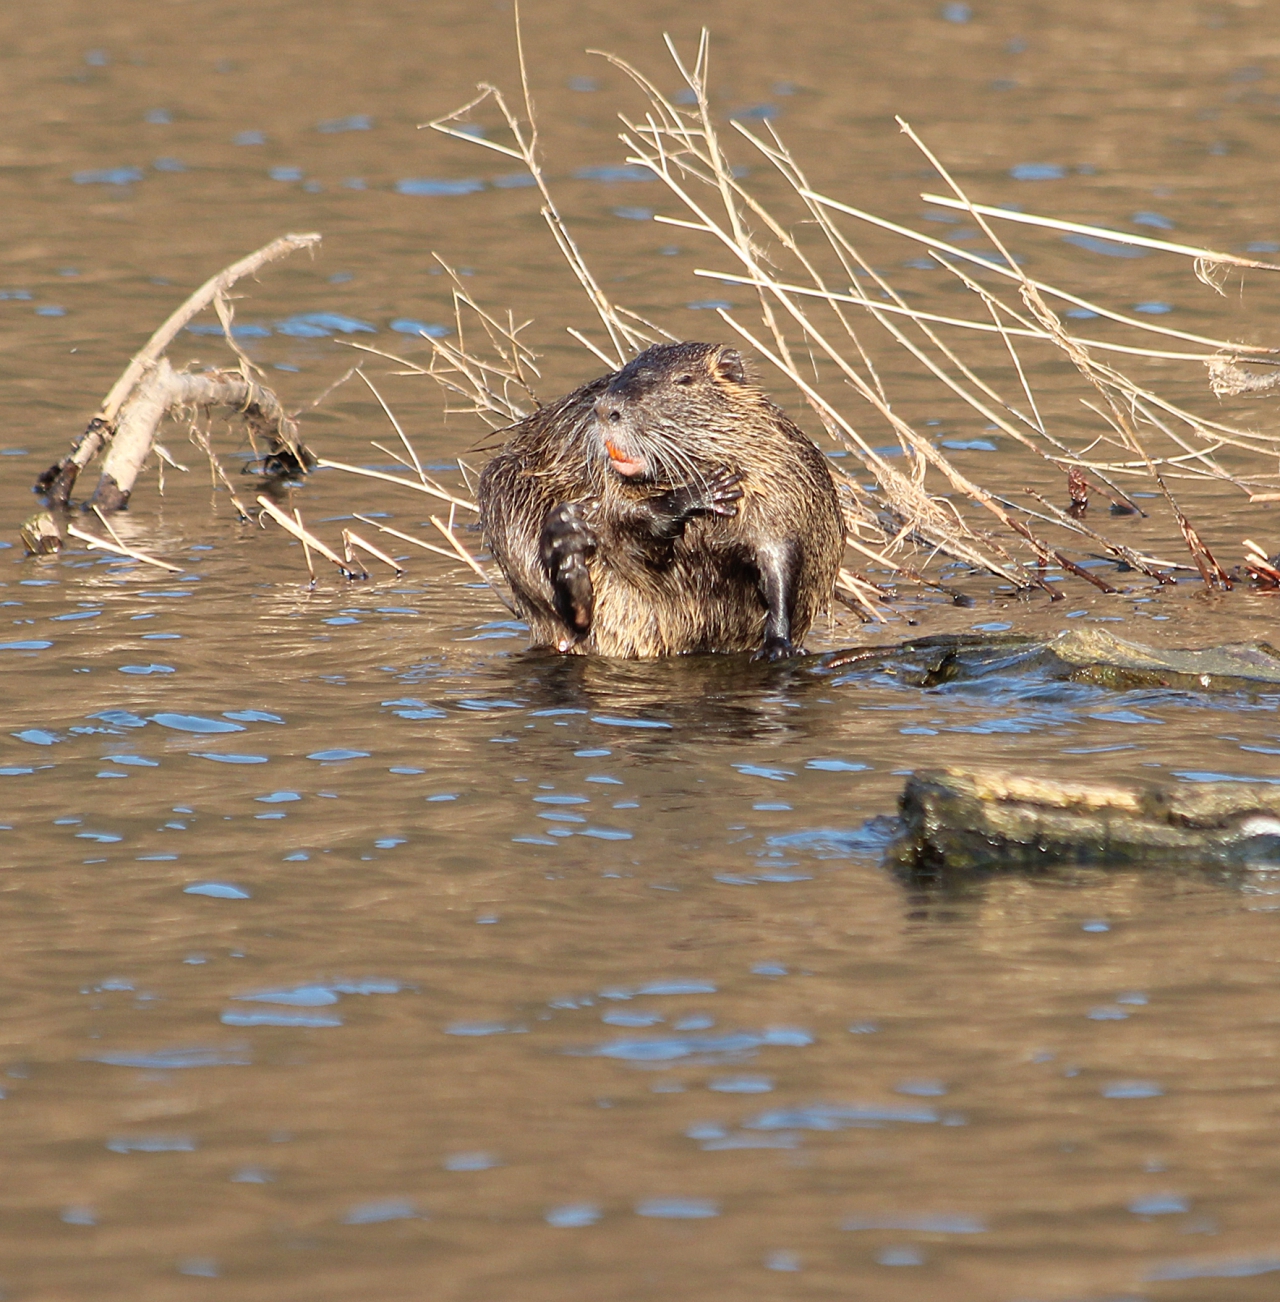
<point>1077,655</point>
<point>967,821</point>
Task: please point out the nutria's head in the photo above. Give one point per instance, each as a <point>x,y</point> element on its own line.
<point>660,416</point>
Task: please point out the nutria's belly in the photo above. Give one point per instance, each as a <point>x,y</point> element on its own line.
<point>674,613</point>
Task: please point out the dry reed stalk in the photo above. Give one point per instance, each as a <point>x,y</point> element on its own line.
<point>121,546</point>
<point>120,549</point>
<point>809,295</point>
<point>498,387</point>
<point>306,546</point>
<point>417,465</point>
<point>351,539</point>
<point>1112,387</point>
<point>667,142</point>
<point>295,527</point>
<point>860,594</point>
<point>933,243</point>
<point>431,490</point>
<point>964,323</point>
<point>1117,390</point>
<point>469,560</point>
<point>200,438</point>
<point>407,537</point>
<point>1207,256</point>
<point>623,336</point>
<point>1259,565</point>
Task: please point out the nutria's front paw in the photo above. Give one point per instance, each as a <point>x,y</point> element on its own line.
<point>722,491</point>
<point>566,544</point>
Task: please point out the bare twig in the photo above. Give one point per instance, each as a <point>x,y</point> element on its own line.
<point>308,539</point>
<point>468,559</point>
<point>120,549</point>
<point>406,537</point>
<point>352,539</point>
<point>429,489</point>
<point>306,546</point>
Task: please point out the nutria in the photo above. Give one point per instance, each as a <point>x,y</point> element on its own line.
<point>668,507</point>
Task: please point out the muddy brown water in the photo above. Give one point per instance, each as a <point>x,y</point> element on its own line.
<point>352,952</point>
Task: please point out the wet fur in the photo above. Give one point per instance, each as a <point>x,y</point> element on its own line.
<point>728,539</point>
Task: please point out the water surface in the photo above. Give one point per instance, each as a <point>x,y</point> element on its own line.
<point>352,951</point>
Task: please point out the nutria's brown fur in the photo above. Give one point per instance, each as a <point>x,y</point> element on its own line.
<point>666,508</point>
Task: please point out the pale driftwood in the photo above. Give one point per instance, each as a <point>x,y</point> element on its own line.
<point>164,390</point>
<point>58,481</point>
<point>963,821</point>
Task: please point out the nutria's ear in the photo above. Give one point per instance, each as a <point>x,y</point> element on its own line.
<point>729,366</point>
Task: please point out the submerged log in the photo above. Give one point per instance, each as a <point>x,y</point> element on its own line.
<point>969,821</point>
<point>1088,655</point>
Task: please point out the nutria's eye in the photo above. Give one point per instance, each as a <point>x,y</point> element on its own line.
<point>683,379</point>
<point>614,417</point>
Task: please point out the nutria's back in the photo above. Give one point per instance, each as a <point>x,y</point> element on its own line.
<point>668,507</point>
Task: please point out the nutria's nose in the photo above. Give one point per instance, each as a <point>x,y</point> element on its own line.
<point>606,411</point>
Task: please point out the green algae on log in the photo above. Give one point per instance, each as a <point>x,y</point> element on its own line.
<point>1087,655</point>
<point>959,821</point>
<point>1096,656</point>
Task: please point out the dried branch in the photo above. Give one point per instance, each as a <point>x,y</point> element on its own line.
<point>58,481</point>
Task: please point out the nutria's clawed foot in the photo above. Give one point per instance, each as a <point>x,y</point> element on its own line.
<point>721,490</point>
<point>566,544</point>
<point>778,648</point>
<point>714,494</point>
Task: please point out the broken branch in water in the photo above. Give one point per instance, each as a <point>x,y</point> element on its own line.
<point>165,390</point>
<point>149,389</point>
